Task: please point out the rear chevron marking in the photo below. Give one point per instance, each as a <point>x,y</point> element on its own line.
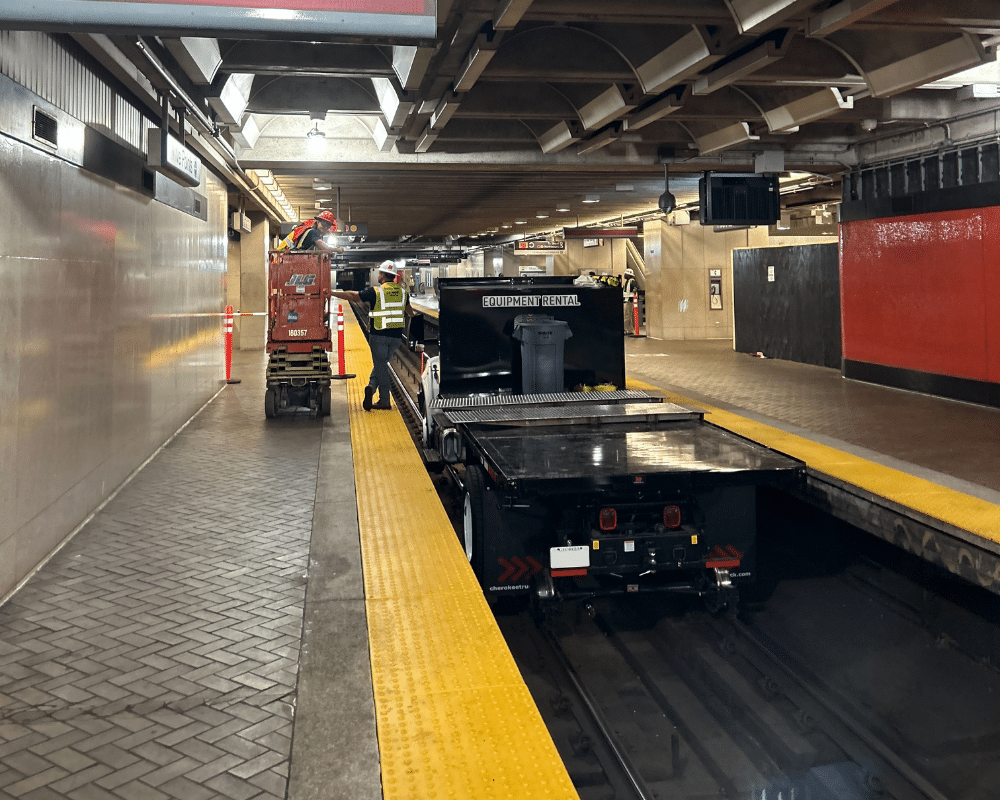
<point>517,568</point>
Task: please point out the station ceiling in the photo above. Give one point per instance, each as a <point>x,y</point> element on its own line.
<point>519,108</point>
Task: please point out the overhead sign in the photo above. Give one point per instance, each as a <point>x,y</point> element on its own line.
<point>539,245</point>
<point>416,19</point>
<point>169,156</point>
<point>601,233</point>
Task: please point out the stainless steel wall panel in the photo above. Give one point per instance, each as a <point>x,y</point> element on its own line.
<point>110,308</point>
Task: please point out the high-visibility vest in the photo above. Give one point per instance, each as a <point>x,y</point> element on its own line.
<point>294,239</point>
<point>390,300</point>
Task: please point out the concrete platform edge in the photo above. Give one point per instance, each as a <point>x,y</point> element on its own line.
<point>334,744</point>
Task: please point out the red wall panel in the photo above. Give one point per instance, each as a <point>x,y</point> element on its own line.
<point>991,290</point>
<point>915,292</point>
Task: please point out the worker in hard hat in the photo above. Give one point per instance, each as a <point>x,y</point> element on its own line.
<point>311,234</point>
<point>628,299</point>
<point>390,306</point>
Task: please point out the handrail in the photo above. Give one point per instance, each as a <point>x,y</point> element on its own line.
<point>633,259</point>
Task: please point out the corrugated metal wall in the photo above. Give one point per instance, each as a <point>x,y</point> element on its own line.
<point>55,70</point>
<point>106,304</point>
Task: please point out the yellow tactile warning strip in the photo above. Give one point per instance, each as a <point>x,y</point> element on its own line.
<point>964,511</point>
<point>454,717</point>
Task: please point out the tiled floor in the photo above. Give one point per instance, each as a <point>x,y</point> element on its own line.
<point>155,656</point>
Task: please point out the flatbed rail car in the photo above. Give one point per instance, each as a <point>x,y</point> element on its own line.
<point>584,492</point>
<point>299,337</point>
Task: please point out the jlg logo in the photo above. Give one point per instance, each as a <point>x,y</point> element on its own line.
<point>301,280</point>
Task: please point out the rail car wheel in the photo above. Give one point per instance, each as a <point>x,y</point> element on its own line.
<point>472,517</point>
<point>722,596</point>
<point>270,406</point>
<point>324,402</point>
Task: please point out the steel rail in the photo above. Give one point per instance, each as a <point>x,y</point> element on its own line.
<point>625,764</point>
<point>893,759</point>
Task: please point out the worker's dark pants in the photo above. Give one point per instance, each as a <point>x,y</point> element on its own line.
<point>382,349</point>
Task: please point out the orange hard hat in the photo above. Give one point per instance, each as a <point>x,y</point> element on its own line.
<point>328,216</point>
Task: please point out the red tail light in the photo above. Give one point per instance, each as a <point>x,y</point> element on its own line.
<point>608,519</point>
<point>672,516</point>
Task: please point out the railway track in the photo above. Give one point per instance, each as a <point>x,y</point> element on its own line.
<point>672,703</point>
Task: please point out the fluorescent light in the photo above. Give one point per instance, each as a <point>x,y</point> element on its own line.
<point>807,109</point>
<point>479,56</point>
<point>605,107</point>
<point>729,136</point>
<point>592,198</point>
<point>926,66</point>
<point>683,58</point>
<point>508,14</point>
<point>602,139</point>
<point>756,59</point>
<point>559,136</point>
<point>542,214</point>
<point>426,140</point>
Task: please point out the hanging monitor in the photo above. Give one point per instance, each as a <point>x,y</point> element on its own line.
<point>738,198</point>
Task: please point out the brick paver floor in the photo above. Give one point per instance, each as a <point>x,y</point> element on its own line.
<point>155,656</point>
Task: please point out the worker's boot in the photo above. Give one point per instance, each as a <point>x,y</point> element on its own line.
<point>384,405</point>
<point>366,404</point>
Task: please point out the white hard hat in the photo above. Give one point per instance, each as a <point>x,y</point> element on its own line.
<point>387,267</point>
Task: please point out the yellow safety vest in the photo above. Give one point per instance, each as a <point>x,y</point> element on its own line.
<point>390,300</point>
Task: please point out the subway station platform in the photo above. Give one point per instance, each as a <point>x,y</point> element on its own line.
<point>280,608</point>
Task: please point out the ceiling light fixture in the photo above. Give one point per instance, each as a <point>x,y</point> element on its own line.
<point>315,132</point>
<point>562,208</point>
<point>592,198</point>
<point>520,222</point>
<point>542,214</point>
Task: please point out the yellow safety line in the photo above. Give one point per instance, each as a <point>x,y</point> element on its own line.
<point>455,719</point>
<point>964,511</point>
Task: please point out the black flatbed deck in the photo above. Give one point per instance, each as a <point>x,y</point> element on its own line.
<point>583,445</point>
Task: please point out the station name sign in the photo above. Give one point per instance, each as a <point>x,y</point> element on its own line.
<point>532,245</point>
<point>601,233</point>
<point>530,301</point>
<point>405,19</point>
<point>173,159</point>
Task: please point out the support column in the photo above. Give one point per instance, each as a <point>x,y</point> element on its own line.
<point>249,331</point>
<point>652,257</point>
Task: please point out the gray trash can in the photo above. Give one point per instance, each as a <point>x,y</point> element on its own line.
<point>541,339</point>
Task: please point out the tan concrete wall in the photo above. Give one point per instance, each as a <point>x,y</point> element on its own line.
<point>608,258</point>
<point>679,260</point>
